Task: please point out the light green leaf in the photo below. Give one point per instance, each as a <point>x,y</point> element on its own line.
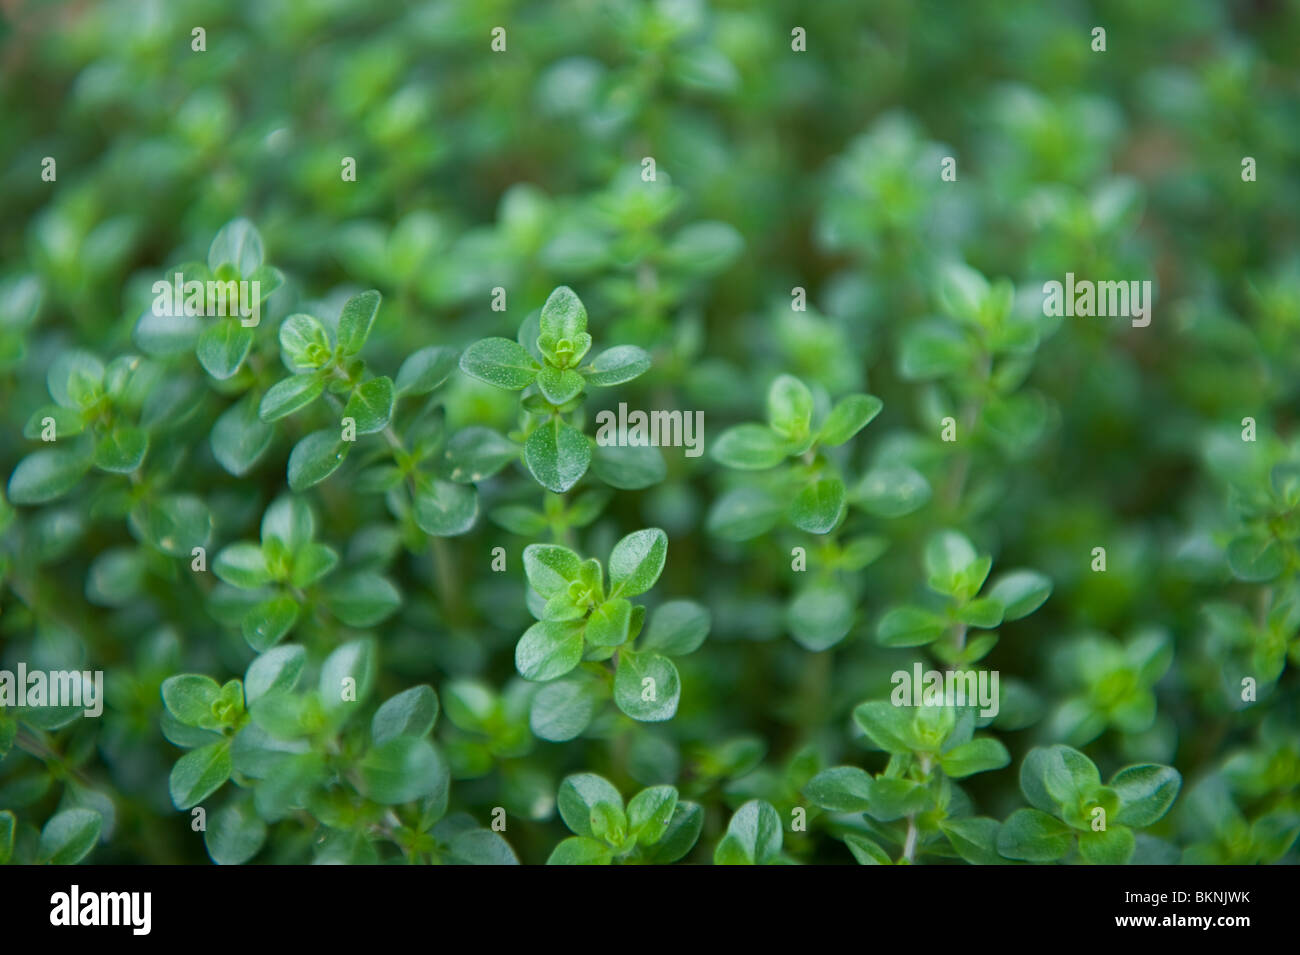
<point>753,836</point>
<point>239,437</point>
<point>68,836</point>
<point>549,649</point>
<point>840,789</point>
<point>676,628</point>
<point>818,507</point>
<point>849,416</point>
<point>557,455</point>
<point>315,458</point>
<point>616,365</point>
<point>636,562</point>
<point>410,713</point>
<point>289,395</point>
<point>200,773</point>
<point>402,769</point>
<point>1145,793</point>
<point>500,362</point>
<point>425,370</point>
<point>750,447</point>
<point>46,475</point>
<point>647,686</point>
<point>356,320</point>
<point>223,346</point>
<point>363,599</point>
<point>122,450</point>
<point>371,405</point>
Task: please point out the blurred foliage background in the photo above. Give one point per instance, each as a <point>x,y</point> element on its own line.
<point>776,169</point>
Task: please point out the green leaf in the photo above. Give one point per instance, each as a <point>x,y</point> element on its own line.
<point>583,795</point>
<point>580,850</point>
<point>444,509</point>
<point>974,838</point>
<point>1255,560</point>
<point>636,562</point>
<point>893,798</point>
<point>550,568</point>
<point>559,385</point>
<point>608,624</point>
<point>934,350</point>
<point>1052,776</point>
<point>677,628</point>
<point>242,565</point>
<point>976,756</point>
<point>311,562</point>
<point>425,370</point>
<point>744,513</point>
<point>617,365</point>
<point>886,725</point>
<point>363,599</point>
<point>68,422</point>
<point>557,455</point>
<point>563,315</point>
<point>315,458</point>
<point>200,773</point>
<point>789,407</point>
<point>753,836</point>
<point>189,697</point>
<point>909,626</point>
<point>849,416</point>
<point>840,789</point>
<point>1112,846</point>
<point>276,669</point>
<point>561,710</point>
<point>865,851</point>
<point>267,623</point>
<point>820,616</point>
<point>371,405</point>
<point>68,836</point>
<point>985,613</point>
<point>476,453</point>
<point>629,467</point>
<point>289,520</point>
<point>549,649</point>
<point>1021,592</point>
<point>122,450</point>
<point>947,555</point>
<point>7,826</point>
<point>175,524</point>
<point>480,847</point>
<point>649,812</point>
<point>46,475</point>
<point>1034,836</point>
<point>819,506</point>
<point>239,437</point>
<point>239,244</point>
<point>402,769</point>
<point>353,661</point>
<point>289,395</point>
<point>304,341</point>
<point>647,686</point>
<point>356,320</point>
<point>749,447</point>
<point>891,490</point>
<point>1145,793</point>
<point>410,713</point>
<point>223,346</point>
<point>679,837</point>
<point>500,362</point>
<point>234,834</point>
<point>75,378</point>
